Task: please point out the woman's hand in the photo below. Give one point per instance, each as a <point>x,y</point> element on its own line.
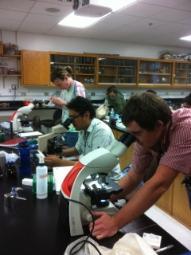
<point>57,101</point>
<point>105,225</point>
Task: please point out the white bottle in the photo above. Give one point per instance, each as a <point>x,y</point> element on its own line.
<point>41,179</point>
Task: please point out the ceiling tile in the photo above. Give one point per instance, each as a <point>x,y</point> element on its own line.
<point>158,22</point>
<point>20,5</point>
<point>173,15</point>
<point>40,8</point>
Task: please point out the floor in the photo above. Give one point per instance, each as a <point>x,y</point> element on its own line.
<point>169,224</point>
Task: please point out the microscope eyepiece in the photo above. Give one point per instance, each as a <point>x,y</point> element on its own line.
<point>67,122</point>
<point>127,139</point>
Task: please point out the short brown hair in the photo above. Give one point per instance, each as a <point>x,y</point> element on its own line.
<point>146,109</point>
<point>61,73</point>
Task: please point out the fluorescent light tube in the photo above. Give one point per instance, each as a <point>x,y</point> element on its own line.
<point>186,38</point>
<point>77,21</point>
<point>115,5</point>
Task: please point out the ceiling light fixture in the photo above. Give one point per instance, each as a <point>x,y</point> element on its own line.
<point>115,5</point>
<point>186,38</point>
<point>76,21</point>
<point>89,12</point>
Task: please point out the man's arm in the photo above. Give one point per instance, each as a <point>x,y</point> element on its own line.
<point>70,152</point>
<point>53,160</point>
<point>143,199</point>
<point>128,183</point>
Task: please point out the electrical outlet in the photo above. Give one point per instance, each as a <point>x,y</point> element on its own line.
<point>46,93</point>
<point>13,86</point>
<point>23,94</point>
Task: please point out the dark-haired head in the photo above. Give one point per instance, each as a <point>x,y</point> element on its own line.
<point>151,91</point>
<point>146,109</point>
<point>62,77</point>
<point>81,105</point>
<point>112,89</point>
<point>60,73</point>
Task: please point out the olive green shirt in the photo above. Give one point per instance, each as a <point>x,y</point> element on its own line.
<point>117,103</point>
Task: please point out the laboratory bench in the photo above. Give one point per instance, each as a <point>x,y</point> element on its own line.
<point>32,226</point>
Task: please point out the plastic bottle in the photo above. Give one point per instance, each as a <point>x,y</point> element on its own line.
<point>112,120</point>
<point>112,113</point>
<point>25,161</point>
<point>41,179</point>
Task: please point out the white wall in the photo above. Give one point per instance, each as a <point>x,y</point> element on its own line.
<point>55,43</point>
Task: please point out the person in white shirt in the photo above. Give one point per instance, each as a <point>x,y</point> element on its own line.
<point>93,133</point>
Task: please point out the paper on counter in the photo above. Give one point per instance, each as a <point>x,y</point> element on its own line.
<point>59,174</point>
<point>30,134</point>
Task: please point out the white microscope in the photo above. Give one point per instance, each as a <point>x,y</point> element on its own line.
<point>81,185</point>
<point>16,121</point>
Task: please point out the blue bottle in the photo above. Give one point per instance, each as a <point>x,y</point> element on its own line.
<point>25,161</point>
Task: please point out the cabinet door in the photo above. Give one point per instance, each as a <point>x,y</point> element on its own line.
<point>126,158</point>
<point>165,201</point>
<point>154,72</point>
<point>35,68</point>
<point>83,66</point>
<point>181,209</point>
<point>117,71</point>
<point>182,73</point>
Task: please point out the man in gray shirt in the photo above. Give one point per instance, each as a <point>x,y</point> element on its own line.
<point>93,133</point>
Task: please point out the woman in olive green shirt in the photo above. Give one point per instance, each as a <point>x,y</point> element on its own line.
<point>115,99</point>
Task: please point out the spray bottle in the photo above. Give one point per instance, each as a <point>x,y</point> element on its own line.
<point>41,178</point>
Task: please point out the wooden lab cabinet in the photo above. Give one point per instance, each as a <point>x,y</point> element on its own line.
<point>84,66</point>
<point>165,202</point>
<point>181,209</point>
<point>100,71</point>
<point>155,72</point>
<point>125,159</point>
<point>35,66</point>
<point>182,74</point>
<point>175,202</point>
<point>117,70</point>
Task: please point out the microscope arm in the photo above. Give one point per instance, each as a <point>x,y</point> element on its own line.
<point>21,111</point>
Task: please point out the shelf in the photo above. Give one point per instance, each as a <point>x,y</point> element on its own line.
<point>10,56</point>
<point>85,74</point>
<point>61,63</point>
<point>117,84</point>
<point>151,73</point>
<point>10,75</point>
<point>155,84</point>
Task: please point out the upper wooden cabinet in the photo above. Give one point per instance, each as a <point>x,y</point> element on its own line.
<point>97,70</point>
<point>155,72</point>
<point>182,75</point>
<point>35,66</point>
<point>84,66</point>
<point>117,70</point>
